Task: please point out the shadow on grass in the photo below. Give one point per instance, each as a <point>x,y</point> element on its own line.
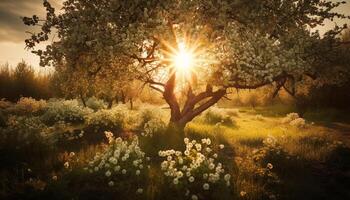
<point>304,179</point>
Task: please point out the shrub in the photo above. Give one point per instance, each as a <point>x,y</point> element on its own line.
<point>28,105</point>
<point>106,120</point>
<point>96,104</point>
<point>5,104</point>
<point>151,113</point>
<point>122,165</point>
<point>293,119</point>
<point>196,173</point>
<point>24,138</point>
<point>216,115</point>
<point>64,110</point>
<point>290,117</point>
<point>299,123</point>
<point>153,126</point>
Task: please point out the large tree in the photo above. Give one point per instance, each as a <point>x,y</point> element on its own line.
<point>191,52</point>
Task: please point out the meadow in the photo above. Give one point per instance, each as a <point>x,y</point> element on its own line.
<point>59,149</point>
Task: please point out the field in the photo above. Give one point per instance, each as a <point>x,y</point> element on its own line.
<point>58,149</point>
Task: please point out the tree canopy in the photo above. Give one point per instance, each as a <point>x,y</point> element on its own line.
<point>236,44</point>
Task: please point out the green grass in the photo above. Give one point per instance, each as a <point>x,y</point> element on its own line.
<point>308,163</point>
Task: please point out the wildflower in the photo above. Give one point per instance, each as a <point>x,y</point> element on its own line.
<point>211,166</point>
<point>221,146</point>
<point>139,191</point>
<point>71,154</point>
<point>194,197</point>
<point>206,186</point>
<point>208,149</point>
<point>66,165</point>
<point>111,183</point>
<point>191,179</point>
<point>198,147</point>
<point>227,177</point>
<point>124,171</point>
<point>205,176</point>
<point>169,158</point>
<point>54,178</point>
<point>188,174</point>
<point>269,166</point>
<point>117,168</point>
<point>108,173</point>
<point>243,193</point>
<point>176,181</point>
<point>186,140</point>
<point>137,172</point>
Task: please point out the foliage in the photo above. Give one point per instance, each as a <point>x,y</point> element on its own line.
<point>23,81</point>
<point>293,119</point>
<point>122,165</point>
<point>64,110</point>
<point>22,138</point>
<point>107,120</point>
<point>95,104</point>
<point>216,115</point>
<point>252,44</point>
<point>196,173</point>
<point>28,105</point>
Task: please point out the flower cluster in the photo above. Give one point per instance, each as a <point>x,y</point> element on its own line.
<point>67,110</point>
<point>96,104</point>
<point>218,116</point>
<point>195,170</point>
<point>120,161</point>
<point>153,126</point>
<point>27,105</point>
<point>106,120</point>
<point>293,119</point>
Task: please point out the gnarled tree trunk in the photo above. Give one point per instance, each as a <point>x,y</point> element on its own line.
<point>194,105</point>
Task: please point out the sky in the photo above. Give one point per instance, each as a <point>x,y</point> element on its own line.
<point>12,30</point>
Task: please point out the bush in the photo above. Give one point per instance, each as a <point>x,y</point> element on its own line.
<point>5,104</point>
<point>217,115</point>
<point>290,117</point>
<point>121,166</point>
<point>64,110</point>
<point>96,104</point>
<point>299,123</point>
<point>23,139</point>
<point>28,105</point>
<point>293,119</point>
<point>196,173</point>
<point>106,120</point>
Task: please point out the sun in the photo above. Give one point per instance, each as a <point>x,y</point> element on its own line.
<point>183,59</point>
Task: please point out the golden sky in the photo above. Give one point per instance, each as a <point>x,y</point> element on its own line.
<point>12,30</point>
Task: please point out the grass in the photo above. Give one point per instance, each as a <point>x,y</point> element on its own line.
<point>307,163</point>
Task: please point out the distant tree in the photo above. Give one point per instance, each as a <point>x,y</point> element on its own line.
<point>236,44</point>
<point>22,81</point>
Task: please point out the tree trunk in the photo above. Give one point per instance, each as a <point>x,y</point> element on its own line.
<point>131,103</point>
<point>82,99</point>
<point>180,117</point>
<point>110,103</point>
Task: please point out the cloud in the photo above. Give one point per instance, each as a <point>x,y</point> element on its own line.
<point>12,28</point>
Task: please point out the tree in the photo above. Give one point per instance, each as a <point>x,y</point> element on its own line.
<point>235,44</point>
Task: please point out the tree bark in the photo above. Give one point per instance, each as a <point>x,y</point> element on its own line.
<point>179,118</point>
<point>82,99</point>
